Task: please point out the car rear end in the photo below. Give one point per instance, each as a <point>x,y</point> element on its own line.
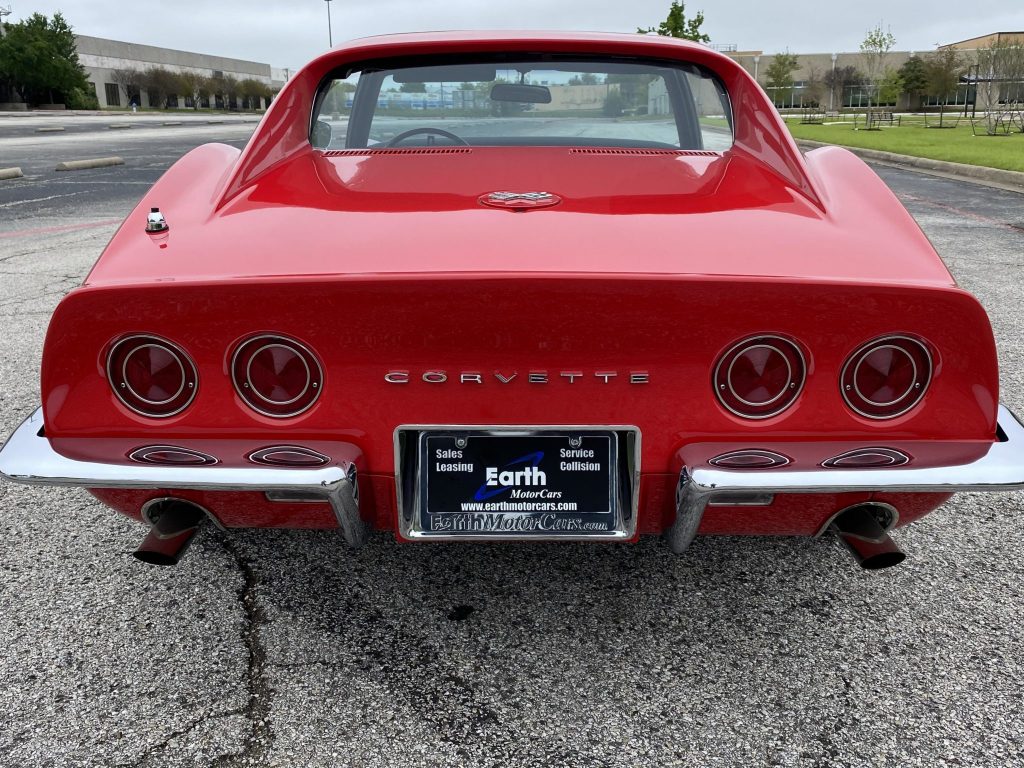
<point>591,291</point>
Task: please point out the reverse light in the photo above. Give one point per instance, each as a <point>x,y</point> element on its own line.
<point>288,456</point>
<point>171,454</point>
<point>276,376</point>
<point>760,377</point>
<point>151,376</point>
<point>751,458</point>
<point>868,458</point>
<point>886,377</point>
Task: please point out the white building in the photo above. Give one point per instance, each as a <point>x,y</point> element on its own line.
<point>101,57</point>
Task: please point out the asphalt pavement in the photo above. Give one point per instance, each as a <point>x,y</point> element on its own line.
<point>283,648</point>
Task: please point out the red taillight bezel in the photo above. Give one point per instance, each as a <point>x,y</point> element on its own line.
<point>785,390</point>
<point>915,363</point>
<point>137,350</point>
<point>262,401</point>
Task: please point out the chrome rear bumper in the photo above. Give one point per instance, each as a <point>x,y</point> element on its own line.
<point>1000,469</point>
<point>27,457</point>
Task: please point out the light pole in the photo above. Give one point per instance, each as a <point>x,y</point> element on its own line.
<point>757,60</point>
<point>330,35</point>
<point>832,85</point>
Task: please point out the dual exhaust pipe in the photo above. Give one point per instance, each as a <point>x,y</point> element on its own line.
<point>863,528</point>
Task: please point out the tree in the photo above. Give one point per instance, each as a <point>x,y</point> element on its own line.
<point>413,88</point>
<point>1000,70</point>
<point>837,80</point>
<point>633,89</point>
<point>130,81</point>
<point>815,89</point>
<point>195,87</point>
<point>252,90</point>
<point>890,86</point>
<point>161,84</point>
<point>39,61</point>
<point>779,75</point>
<point>875,50</point>
<point>677,25</point>
<point>942,74</point>
<point>914,76</point>
<point>612,104</point>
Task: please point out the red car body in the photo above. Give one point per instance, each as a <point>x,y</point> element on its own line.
<point>612,307</point>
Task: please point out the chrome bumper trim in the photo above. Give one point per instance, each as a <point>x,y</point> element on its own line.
<point>28,457</point>
<point>1001,469</point>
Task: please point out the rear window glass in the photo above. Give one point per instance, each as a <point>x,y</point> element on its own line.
<point>592,102</point>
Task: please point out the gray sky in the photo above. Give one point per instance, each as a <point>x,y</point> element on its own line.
<point>289,33</point>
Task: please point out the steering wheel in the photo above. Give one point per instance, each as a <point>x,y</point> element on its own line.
<point>429,132</point>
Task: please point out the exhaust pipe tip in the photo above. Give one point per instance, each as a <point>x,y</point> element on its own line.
<point>883,560</point>
<point>174,523</point>
<point>864,529</point>
<point>154,558</point>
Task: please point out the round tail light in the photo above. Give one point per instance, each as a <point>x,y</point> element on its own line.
<point>886,377</point>
<point>151,376</point>
<point>760,377</point>
<point>276,376</point>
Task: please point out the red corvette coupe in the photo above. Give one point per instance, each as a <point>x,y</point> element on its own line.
<point>510,286</point>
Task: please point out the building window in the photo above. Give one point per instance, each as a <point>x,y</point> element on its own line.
<point>113,94</point>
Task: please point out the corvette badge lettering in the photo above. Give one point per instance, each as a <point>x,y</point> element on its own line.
<point>435,376</point>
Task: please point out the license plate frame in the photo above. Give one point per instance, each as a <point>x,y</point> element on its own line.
<point>426,516</point>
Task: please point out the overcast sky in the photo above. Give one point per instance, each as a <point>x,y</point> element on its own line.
<point>287,34</point>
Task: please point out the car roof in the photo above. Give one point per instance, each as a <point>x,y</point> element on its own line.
<point>549,35</point>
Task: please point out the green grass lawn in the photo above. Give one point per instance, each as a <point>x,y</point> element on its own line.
<point>957,145</point>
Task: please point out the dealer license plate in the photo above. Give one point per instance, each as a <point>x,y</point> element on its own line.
<point>536,485</point>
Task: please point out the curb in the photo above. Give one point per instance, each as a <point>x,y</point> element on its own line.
<point>50,129</point>
<point>119,127</point>
<point>81,165</point>
<point>10,173</point>
<point>968,172</point>
<point>172,122</point>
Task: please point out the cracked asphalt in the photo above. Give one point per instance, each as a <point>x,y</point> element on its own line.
<point>282,648</point>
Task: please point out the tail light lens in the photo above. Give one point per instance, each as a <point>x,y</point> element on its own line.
<point>760,377</point>
<point>151,376</point>
<point>886,377</point>
<point>276,376</point>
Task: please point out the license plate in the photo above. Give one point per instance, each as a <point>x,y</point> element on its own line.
<point>548,484</point>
